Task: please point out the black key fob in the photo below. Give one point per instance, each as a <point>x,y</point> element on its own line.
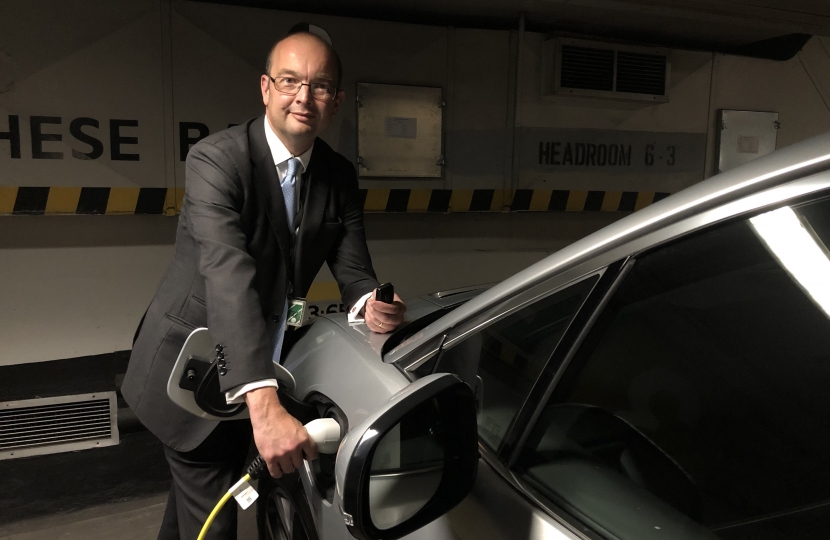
<point>386,293</point>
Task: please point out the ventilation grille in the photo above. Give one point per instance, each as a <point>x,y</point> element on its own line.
<point>59,424</point>
<point>641,73</point>
<point>588,68</point>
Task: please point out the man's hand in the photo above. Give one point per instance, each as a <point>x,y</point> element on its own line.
<point>381,317</point>
<point>282,441</point>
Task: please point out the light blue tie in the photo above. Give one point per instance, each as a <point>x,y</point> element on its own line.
<point>289,188</point>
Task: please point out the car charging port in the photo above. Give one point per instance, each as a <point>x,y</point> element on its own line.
<point>322,468</point>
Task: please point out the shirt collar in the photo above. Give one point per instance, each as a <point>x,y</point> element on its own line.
<point>280,153</point>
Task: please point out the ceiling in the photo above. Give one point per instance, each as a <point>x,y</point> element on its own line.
<point>764,28</point>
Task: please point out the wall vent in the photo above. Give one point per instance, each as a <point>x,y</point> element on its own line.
<point>58,424</point>
<point>605,70</point>
<point>587,68</point>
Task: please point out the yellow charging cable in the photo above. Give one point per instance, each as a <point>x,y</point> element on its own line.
<point>255,469</point>
<point>225,498</point>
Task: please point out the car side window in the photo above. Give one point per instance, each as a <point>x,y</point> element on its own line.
<point>502,362</point>
<point>697,407</point>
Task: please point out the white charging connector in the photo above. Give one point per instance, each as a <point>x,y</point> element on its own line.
<point>325,432</point>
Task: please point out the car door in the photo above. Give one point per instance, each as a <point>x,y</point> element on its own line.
<point>507,355</point>
<point>696,405</point>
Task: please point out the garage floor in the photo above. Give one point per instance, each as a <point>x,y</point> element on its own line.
<point>104,493</point>
<point>131,520</point>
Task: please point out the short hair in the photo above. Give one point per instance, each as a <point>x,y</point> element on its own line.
<point>332,53</point>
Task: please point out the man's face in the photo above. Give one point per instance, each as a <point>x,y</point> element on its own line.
<point>298,119</point>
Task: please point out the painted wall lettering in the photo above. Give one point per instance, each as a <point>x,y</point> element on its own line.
<point>116,140</point>
<point>552,150</point>
<point>124,144</point>
<point>186,141</point>
<point>96,147</point>
<point>38,137</point>
<point>44,130</point>
<point>584,154</point>
<point>13,136</point>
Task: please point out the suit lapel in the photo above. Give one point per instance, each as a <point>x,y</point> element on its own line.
<point>317,194</point>
<point>314,205</point>
<point>268,186</point>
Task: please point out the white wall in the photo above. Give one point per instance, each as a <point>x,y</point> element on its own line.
<point>71,60</point>
<point>64,292</point>
<point>79,301</point>
<point>68,290</point>
<point>163,63</point>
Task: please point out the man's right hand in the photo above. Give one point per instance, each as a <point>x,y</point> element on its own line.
<point>281,439</point>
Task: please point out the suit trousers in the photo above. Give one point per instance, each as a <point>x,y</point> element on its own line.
<point>200,478</point>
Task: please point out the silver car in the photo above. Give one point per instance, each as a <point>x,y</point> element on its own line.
<point>667,377</point>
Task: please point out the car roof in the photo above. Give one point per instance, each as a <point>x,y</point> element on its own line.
<point>783,166</point>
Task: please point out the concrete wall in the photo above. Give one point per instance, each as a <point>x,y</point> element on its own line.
<point>686,112</point>
<point>77,285</point>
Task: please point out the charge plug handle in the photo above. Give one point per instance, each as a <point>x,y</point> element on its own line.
<point>326,433</point>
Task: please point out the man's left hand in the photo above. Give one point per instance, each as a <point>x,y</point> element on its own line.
<point>381,317</point>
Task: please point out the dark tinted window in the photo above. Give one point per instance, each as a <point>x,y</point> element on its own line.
<point>503,361</point>
<point>698,405</point>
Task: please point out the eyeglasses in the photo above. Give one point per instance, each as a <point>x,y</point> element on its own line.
<point>319,90</point>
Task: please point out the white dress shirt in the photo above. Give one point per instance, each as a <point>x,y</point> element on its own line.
<point>281,156</point>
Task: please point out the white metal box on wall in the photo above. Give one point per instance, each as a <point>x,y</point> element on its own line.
<point>399,131</point>
<point>744,136</point>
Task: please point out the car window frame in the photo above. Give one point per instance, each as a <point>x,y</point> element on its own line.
<point>792,194</point>
<point>453,335</point>
<point>532,294</point>
<point>610,275</point>
<point>606,276</point>
<point>625,267</point>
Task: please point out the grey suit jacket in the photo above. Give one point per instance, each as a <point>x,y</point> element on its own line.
<point>235,263</point>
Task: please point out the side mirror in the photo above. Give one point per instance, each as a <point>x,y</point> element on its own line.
<point>411,462</point>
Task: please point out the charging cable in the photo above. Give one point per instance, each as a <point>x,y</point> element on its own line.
<point>325,432</point>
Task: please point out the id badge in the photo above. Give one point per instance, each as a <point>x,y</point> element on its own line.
<point>297,312</point>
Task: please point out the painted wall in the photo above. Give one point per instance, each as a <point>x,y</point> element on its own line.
<point>94,62</point>
<point>74,286</point>
<point>134,80</point>
<point>77,285</point>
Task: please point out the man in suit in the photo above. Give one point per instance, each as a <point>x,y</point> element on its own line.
<point>266,203</point>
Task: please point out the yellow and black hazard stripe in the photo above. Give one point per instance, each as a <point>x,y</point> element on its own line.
<point>93,200</point>
<point>495,200</point>
<point>168,201</point>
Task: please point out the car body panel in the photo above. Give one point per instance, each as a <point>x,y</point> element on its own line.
<point>494,511</point>
<point>346,369</point>
<point>330,524</point>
